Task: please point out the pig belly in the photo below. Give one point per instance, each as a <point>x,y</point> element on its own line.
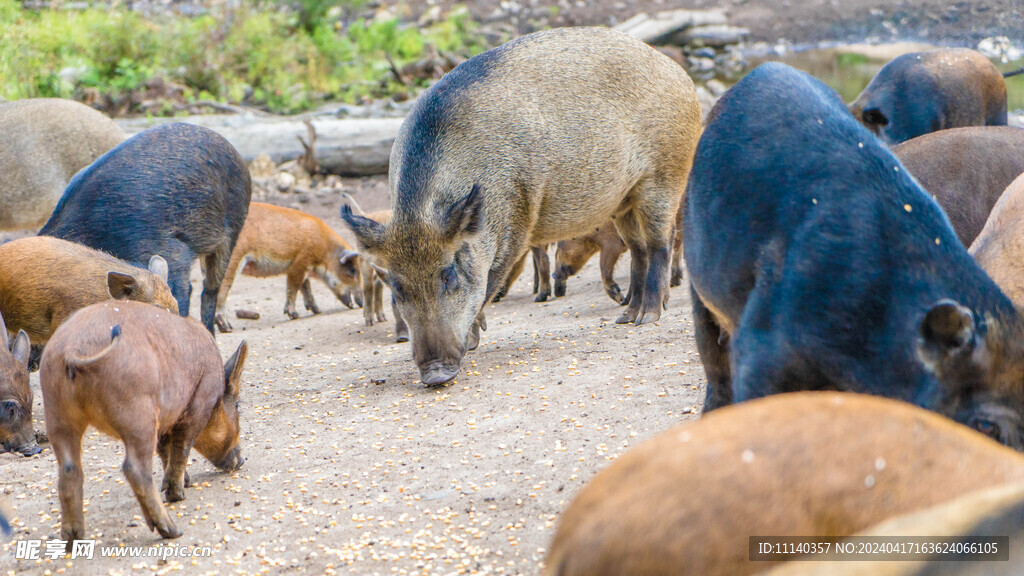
<point>264,266</point>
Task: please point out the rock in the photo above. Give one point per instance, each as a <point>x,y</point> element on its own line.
<point>667,27</point>
<point>1000,47</point>
<point>284,181</point>
<point>715,35</point>
<point>262,167</point>
<point>707,102</point>
<point>705,53</point>
<point>716,87</point>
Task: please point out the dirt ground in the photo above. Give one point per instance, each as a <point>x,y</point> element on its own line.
<point>354,467</point>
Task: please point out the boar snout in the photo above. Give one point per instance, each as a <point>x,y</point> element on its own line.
<point>232,461</point>
<point>22,438</point>
<point>438,357</point>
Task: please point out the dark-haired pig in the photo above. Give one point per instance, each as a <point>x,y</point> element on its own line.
<point>538,140</point>
<point>818,263</point>
<point>44,280</point>
<point>278,240</point>
<point>999,248</point>
<point>922,92</point>
<point>374,277</point>
<point>805,464</point>
<point>178,190</point>
<point>46,141</point>
<point>156,382</point>
<point>16,434</point>
<point>966,170</point>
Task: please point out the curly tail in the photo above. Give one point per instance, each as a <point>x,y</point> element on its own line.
<point>75,363</point>
<point>1014,73</point>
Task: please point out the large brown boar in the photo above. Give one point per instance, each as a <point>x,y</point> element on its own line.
<point>798,464</point>
<point>922,92</point>
<point>156,382</point>
<point>275,241</point>
<point>999,248</point>
<point>966,170</point>
<point>16,434</point>
<point>538,140</point>
<point>46,141</point>
<point>44,280</point>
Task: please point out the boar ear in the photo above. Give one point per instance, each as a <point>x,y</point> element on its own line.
<point>121,286</point>
<point>382,271</point>
<point>4,340</point>
<point>369,233</point>
<point>466,216</point>
<point>233,370</point>
<point>347,257</point>
<point>947,331</point>
<point>158,266</point>
<point>21,348</point>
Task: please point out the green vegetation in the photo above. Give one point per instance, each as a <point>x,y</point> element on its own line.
<point>260,55</point>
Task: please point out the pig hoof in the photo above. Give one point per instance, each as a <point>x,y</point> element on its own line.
<point>615,293</point>
<point>628,316</point>
<point>381,318</point>
<point>174,494</point>
<point>647,316</point>
<point>222,324</point>
<point>677,278</point>
<point>314,309</point>
<point>169,531</point>
<point>292,314</point>
<point>438,375</point>
<point>188,481</point>
<point>542,296</point>
<point>72,534</point>
<point>402,337</point>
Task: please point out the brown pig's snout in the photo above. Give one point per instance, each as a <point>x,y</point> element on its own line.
<point>22,441</point>
<point>232,461</point>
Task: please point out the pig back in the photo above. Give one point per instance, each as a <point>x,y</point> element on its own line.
<point>561,123</point>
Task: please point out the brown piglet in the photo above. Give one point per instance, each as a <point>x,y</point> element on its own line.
<point>156,382</point>
<point>43,280</point>
<point>999,247</point>
<point>798,464</point>
<point>275,241</point>
<point>16,434</point>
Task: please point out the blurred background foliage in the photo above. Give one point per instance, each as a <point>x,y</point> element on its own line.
<point>283,57</point>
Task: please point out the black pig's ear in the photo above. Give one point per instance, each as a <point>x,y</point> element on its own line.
<point>121,286</point>
<point>233,370</point>
<point>369,233</point>
<point>947,334</point>
<point>465,216</point>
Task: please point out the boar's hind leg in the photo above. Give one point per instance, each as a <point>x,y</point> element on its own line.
<point>713,346</point>
<point>138,470</point>
<point>307,297</point>
<point>647,236</point>
<point>213,276</point>
<point>220,318</point>
<point>66,442</point>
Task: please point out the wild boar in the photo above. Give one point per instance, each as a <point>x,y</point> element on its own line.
<point>966,170</point>
<point>541,274</point>
<point>979,514</point>
<point>178,190</point>
<point>374,277</point>
<point>999,248</point>
<point>819,263</point>
<point>802,464</point>
<point>276,240</point>
<point>44,280</point>
<point>538,140</point>
<point>571,255</point>
<point>46,141</point>
<point>156,382</point>
<point>16,434</point>
<point>922,92</point>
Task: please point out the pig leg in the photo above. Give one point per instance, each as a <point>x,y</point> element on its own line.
<point>66,443</point>
<point>138,470</point>
<point>677,257</point>
<point>213,277</point>
<point>648,235</point>
<point>307,297</point>
<point>179,259</point>
<point>367,277</point>
<point>609,257</point>
<point>713,346</point>
<point>378,300</point>
<point>295,278</point>
<point>175,478</point>
<point>401,329</point>
<point>222,296</point>
<point>542,272</point>
<point>517,269</point>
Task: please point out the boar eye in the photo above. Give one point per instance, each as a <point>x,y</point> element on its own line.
<point>397,290</point>
<point>449,279</point>
<point>988,428</point>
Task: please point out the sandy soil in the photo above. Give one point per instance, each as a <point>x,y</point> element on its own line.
<point>355,467</point>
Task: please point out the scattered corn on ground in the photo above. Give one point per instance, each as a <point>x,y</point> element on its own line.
<point>354,467</point>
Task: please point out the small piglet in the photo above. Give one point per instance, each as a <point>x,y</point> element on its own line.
<point>278,240</point>
<point>156,382</point>
<point>16,433</point>
<point>178,190</point>
<point>44,280</point>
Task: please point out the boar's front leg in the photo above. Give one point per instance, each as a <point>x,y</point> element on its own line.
<point>307,297</point>
<point>542,273</point>
<point>138,470</point>
<point>401,328</point>
<point>174,450</point>
<point>295,278</point>
<point>66,442</point>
